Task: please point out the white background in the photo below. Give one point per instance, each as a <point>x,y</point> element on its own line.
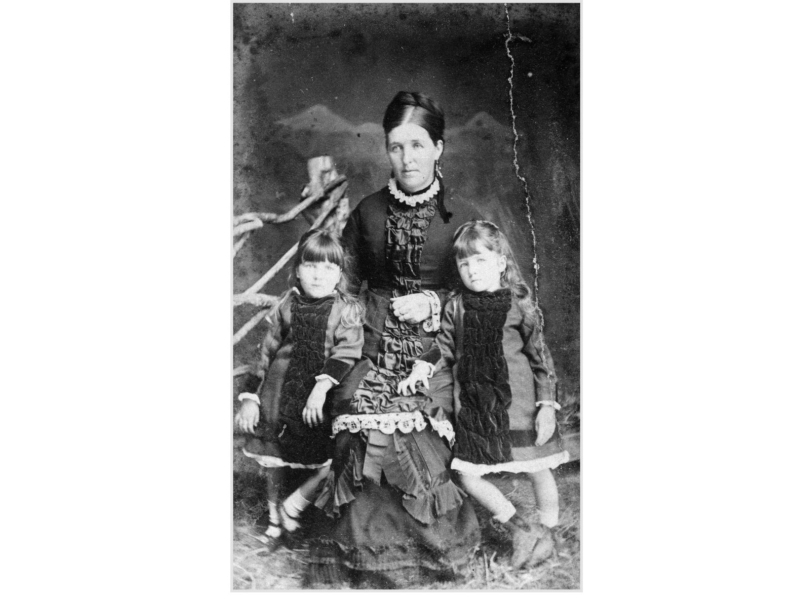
<point>116,196</point>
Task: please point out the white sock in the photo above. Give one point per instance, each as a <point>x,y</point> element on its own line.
<point>273,512</point>
<point>273,531</point>
<point>549,518</point>
<point>505,513</point>
<point>295,504</point>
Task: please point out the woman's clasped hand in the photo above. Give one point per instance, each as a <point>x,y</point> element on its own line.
<point>412,308</point>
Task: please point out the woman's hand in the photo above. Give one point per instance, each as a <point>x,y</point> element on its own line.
<point>413,308</point>
<point>312,413</point>
<point>545,424</point>
<point>247,417</point>
<point>419,373</point>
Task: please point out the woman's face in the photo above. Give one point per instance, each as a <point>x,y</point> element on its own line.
<point>413,156</point>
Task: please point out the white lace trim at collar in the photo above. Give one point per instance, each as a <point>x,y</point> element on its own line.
<point>413,200</point>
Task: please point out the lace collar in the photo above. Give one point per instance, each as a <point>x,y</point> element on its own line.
<point>417,198</point>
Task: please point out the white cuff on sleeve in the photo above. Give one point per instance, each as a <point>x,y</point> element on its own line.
<point>249,396</point>
<point>432,323</point>
<point>431,368</point>
<point>324,376</point>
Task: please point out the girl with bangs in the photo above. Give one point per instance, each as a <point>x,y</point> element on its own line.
<point>500,377</point>
<point>315,337</point>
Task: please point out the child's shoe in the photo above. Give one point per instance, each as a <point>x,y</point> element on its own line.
<point>270,536</point>
<point>543,549</point>
<point>524,537</point>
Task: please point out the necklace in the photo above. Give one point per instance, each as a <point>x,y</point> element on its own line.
<point>413,199</point>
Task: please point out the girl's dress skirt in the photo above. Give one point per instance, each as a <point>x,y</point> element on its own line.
<point>526,456</point>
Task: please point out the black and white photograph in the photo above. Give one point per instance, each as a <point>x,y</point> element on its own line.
<point>406,302</point>
<point>399,298</point>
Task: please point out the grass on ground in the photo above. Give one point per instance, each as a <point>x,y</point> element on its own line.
<point>256,567</point>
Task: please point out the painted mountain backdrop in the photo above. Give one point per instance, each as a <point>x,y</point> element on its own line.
<point>477,161</point>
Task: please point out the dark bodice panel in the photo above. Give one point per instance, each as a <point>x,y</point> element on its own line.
<point>365,239</point>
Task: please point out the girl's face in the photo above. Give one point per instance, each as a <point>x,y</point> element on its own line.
<point>318,279</point>
<point>481,271</point>
<point>413,156</point>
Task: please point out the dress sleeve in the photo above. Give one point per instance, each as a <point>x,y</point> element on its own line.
<point>269,347</point>
<point>535,349</point>
<point>348,341</point>
<point>444,346</point>
<point>353,247</point>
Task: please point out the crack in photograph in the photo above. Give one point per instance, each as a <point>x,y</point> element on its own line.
<point>406,296</point>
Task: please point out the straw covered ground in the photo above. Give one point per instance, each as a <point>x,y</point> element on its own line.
<point>255,567</point>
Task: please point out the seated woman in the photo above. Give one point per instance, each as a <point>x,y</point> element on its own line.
<point>400,518</point>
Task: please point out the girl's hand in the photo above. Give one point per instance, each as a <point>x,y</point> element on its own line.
<point>545,424</point>
<point>312,413</point>
<point>413,308</point>
<point>418,374</point>
<point>247,417</point>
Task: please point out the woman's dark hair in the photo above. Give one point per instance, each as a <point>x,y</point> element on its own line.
<point>422,110</point>
<point>416,108</point>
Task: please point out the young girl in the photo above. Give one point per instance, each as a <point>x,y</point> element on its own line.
<point>315,337</point>
<point>503,386</point>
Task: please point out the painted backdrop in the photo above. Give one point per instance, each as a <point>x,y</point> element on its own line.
<point>313,79</point>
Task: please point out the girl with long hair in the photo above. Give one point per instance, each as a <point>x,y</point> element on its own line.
<point>503,387</point>
<point>315,337</point>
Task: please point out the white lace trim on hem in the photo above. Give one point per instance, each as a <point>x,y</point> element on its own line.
<point>516,466</point>
<point>275,462</point>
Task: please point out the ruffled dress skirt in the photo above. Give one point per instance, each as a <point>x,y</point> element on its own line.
<point>410,527</point>
<point>400,520</point>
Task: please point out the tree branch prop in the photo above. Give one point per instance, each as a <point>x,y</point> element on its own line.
<point>241,370</point>
<point>328,217</point>
<point>265,217</point>
<point>261,300</point>
<point>240,242</point>
<point>327,207</point>
<point>249,325</point>
<point>248,224</point>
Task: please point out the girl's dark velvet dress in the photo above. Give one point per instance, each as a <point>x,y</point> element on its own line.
<point>493,356</point>
<point>307,337</point>
<point>399,518</point>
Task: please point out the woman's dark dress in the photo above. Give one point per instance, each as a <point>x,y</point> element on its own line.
<point>400,519</point>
